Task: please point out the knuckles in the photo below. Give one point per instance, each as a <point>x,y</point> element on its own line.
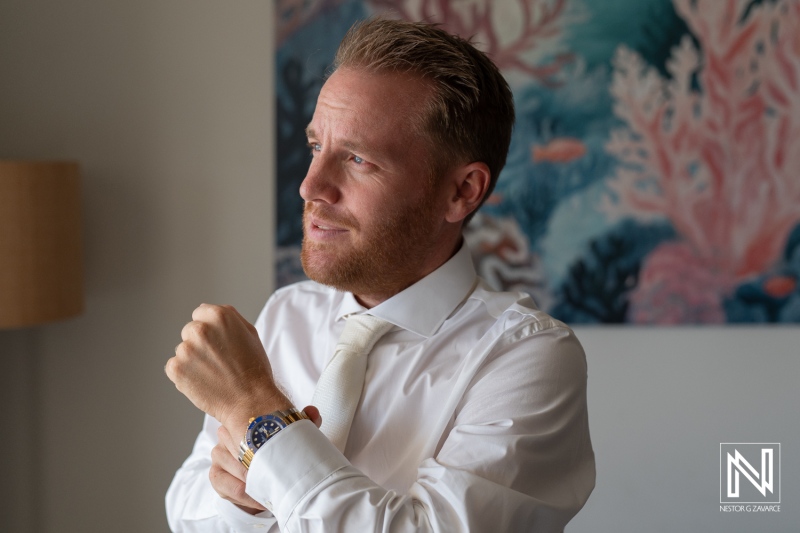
<point>215,475</point>
<point>217,313</point>
<point>218,454</point>
<point>225,484</point>
<point>169,369</point>
<point>222,435</point>
<point>182,350</point>
<point>176,371</point>
<point>238,492</point>
<point>176,366</point>
<point>212,313</point>
<point>196,330</point>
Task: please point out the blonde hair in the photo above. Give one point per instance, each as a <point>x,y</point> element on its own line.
<point>471,113</point>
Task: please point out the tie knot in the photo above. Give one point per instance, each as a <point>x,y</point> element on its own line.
<point>361,332</point>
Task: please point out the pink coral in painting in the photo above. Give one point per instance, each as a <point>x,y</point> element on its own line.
<point>541,24</point>
<point>720,163</point>
<point>782,95</point>
<point>680,287</point>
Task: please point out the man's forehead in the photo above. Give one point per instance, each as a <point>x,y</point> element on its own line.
<point>385,89</point>
<point>375,101</point>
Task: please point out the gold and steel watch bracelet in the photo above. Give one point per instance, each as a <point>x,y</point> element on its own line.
<point>289,416</point>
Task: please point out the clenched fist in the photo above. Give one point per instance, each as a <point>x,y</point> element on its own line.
<point>221,366</point>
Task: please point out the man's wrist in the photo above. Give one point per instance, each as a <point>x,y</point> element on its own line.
<point>236,423</point>
<point>262,428</point>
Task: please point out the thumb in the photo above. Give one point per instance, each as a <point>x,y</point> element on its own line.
<point>313,414</point>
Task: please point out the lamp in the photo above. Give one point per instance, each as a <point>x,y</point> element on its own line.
<point>41,258</point>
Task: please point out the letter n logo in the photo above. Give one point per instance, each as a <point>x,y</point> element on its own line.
<point>749,472</point>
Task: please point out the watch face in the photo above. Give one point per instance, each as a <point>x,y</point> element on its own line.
<point>261,429</point>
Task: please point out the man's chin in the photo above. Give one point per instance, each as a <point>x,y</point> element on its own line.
<point>342,274</point>
<point>322,267</point>
<point>325,277</point>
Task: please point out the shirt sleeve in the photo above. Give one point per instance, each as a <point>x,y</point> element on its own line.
<point>517,456</point>
<point>193,506</point>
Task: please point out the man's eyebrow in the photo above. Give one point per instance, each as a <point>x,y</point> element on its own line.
<point>349,144</point>
<point>355,145</point>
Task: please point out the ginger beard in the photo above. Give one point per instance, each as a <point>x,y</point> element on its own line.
<point>383,257</point>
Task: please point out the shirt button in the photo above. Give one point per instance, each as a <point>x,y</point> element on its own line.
<point>268,505</point>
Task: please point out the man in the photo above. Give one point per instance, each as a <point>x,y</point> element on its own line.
<point>470,409</point>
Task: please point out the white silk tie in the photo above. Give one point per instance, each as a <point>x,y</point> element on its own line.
<point>341,383</point>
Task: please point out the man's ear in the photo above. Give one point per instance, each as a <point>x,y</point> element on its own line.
<point>468,185</point>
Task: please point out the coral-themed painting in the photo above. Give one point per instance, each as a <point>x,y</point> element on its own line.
<point>654,171</point>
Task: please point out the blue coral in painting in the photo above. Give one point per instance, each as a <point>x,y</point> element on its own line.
<point>598,286</point>
<point>771,297</point>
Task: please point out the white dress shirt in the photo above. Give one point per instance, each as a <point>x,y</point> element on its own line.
<point>473,418</point>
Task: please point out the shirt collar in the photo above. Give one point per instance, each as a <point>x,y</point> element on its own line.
<point>424,306</point>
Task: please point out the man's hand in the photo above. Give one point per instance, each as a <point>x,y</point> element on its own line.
<point>228,475</point>
<point>222,368</point>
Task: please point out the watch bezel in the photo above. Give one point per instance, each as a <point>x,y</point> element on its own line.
<point>259,422</point>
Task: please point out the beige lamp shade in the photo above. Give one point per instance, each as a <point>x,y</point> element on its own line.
<point>41,257</point>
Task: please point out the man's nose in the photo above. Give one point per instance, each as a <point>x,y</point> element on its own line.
<point>320,183</point>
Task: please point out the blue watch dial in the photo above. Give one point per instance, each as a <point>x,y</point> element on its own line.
<point>261,429</point>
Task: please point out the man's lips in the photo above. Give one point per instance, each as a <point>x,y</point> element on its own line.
<point>321,229</point>
<point>325,225</point>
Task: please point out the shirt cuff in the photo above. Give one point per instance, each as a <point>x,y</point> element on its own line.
<point>289,466</point>
<point>241,520</point>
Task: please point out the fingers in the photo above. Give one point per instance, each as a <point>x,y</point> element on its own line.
<point>228,442</point>
<point>228,475</point>
<point>231,309</point>
<point>230,487</point>
<point>207,312</point>
<point>226,314</point>
<point>196,330</point>
<point>222,457</point>
<point>183,362</point>
<point>313,414</point>
<point>175,365</point>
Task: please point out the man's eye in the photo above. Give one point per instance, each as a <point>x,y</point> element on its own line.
<point>357,160</point>
<point>315,147</point>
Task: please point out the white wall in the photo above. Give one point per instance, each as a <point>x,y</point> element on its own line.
<point>660,403</point>
<point>168,106</point>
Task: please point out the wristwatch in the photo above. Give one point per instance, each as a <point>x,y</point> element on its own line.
<point>262,428</point>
